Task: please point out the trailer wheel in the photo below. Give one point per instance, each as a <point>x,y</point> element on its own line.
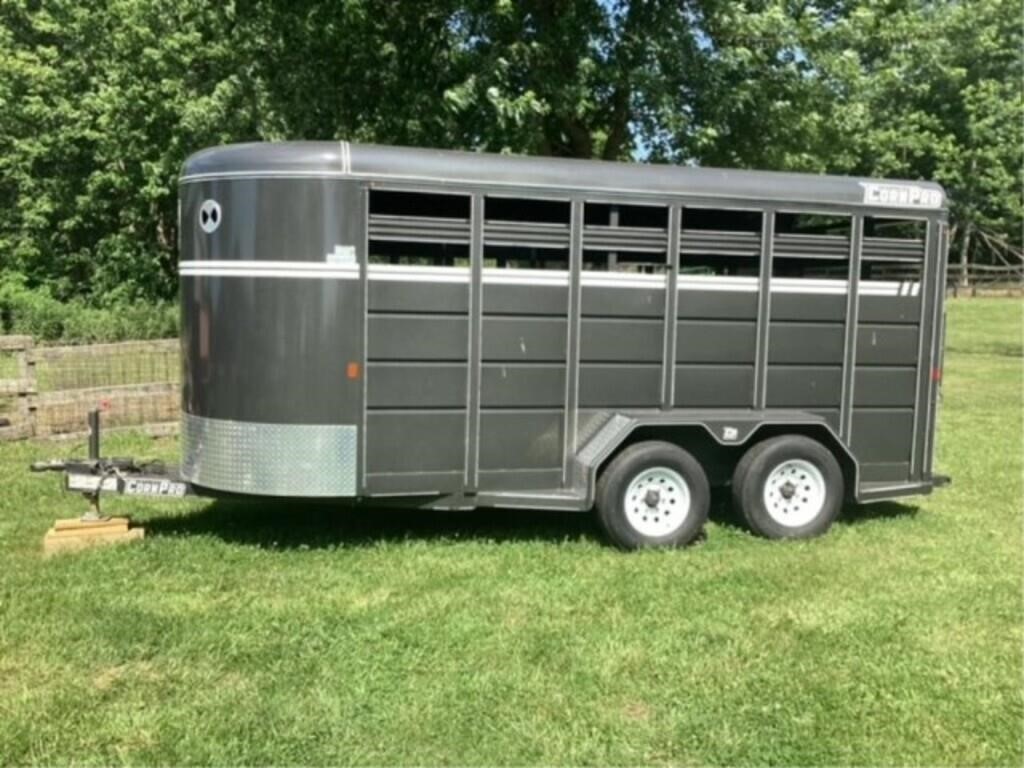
<point>653,494</point>
<point>788,487</point>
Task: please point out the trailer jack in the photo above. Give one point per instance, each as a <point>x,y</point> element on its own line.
<point>96,475</point>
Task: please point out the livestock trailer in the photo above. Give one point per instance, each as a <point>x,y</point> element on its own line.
<point>459,330</point>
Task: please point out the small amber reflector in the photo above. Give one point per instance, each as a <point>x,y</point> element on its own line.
<point>352,370</point>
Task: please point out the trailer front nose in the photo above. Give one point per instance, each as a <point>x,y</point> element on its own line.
<point>271,336</point>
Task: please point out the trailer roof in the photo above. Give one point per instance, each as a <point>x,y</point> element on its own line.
<point>340,158</point>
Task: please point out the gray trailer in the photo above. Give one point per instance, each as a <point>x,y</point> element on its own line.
<point>461,330</point>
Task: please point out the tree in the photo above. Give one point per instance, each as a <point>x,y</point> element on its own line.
<point>933,90</point>
<point>102,100</point>
<point>100,103</point>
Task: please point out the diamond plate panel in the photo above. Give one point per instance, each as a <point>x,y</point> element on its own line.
<point>269,459</point>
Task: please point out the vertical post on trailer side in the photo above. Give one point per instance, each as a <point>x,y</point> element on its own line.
<point>668,358</point>
<point>572,361</point>
<point>764,308</point>
<point>850,337</point>
<point>476,261</point>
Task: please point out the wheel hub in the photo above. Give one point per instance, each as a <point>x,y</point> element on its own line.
<point>657,501</point>
<point>794,493</point>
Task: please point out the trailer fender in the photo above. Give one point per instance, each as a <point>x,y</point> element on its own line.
<point>726,430</point>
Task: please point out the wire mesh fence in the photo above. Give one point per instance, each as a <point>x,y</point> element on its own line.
<point>48,391</point>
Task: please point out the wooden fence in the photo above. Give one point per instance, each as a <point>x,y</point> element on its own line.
<point>985,280</point>
<point>48,391</point>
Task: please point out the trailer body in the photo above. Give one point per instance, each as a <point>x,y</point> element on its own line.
<point>454,329</point>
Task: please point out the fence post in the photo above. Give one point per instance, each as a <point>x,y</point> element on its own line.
<point>27,372</point>
<point>22,388</point>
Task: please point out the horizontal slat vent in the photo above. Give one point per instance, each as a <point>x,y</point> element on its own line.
<point>812,246</point>
<point>418,229</point>
<point>640,239</point>
<point>527,234</point>
<point>720,242</point>
<point>892,249</point>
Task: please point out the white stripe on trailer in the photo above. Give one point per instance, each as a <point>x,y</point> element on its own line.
<point>417,273</point>
<point>345,157</point>
<point>717,283</point>
<point>278,273</point>
<point>499,276</point>
<point>801,285</point>
<point>304,266</point>
<point>622,280</point>
<point>285,269</point>
<point>889,288</point>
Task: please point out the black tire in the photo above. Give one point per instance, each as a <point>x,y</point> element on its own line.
<point>641,462</point>
<point>788,455</point>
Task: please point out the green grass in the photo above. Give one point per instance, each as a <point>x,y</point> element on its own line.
<point>243,633</point>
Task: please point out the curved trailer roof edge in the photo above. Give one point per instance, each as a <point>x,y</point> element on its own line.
<point>341,159</point>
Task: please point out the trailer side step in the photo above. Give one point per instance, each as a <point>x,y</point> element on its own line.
<point>551,499</point>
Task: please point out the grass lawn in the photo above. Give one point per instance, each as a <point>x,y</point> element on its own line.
<point>245,633</point>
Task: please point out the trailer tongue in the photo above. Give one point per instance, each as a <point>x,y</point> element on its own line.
<point>122,476</point>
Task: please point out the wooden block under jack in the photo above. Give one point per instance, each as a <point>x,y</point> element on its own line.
<point>75,534</point>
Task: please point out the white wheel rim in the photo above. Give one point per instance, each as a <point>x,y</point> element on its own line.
<point>657,502</point>
<point>794,493</point>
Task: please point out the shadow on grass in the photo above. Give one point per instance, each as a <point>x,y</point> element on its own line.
<point>721,511</point>
<point>857,514</point>
<point>724,514</point>
<point>290,525</point>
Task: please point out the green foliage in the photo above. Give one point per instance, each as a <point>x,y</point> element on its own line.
<point>101,101</point>
<point>36,312</point>
<point>933,90</point>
